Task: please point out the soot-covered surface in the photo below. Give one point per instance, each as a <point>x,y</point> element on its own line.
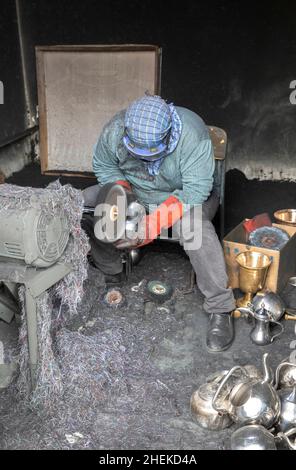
<point>156,359</point>
<point>245,198</point>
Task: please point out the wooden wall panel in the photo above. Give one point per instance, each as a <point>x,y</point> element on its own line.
<point>80,89</point>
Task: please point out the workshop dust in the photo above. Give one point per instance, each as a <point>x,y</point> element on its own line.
<point>128,372</point>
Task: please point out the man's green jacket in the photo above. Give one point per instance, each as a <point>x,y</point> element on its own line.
<point>186,173</point>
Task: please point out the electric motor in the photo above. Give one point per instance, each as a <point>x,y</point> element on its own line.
<point>33,235</point>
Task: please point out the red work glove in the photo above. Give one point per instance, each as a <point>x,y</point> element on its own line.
<point>166,215</point>
<point>124,183</point>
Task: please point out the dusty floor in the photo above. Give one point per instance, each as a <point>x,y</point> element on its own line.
<point>170,363</point>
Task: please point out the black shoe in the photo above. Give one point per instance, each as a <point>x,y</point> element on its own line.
<point>112,280</point>
<point>220,332</point>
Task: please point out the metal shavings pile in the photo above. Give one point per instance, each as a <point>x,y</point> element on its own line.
<point>49,385</point>
<point>108,380</point>
<point>111,391</point>
<point>91,366</point>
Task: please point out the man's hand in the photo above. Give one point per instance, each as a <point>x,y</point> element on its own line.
<point>125,184</point>
<point>136,237</point>
<point>169,212</point>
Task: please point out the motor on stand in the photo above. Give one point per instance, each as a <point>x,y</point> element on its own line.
<point>32,240</point>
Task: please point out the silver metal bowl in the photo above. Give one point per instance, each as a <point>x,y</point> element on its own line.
<point>286,216</point>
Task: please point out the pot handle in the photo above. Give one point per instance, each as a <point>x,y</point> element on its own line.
<point>277,372</point>
<point>246,311</point>
<point>219,389</point>
<point>279,333</point>
<point>285,437</point>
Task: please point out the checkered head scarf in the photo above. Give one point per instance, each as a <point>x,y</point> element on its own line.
<point>152,130</point>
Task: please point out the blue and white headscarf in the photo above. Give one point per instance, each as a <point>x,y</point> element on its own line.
<point>149,122</point>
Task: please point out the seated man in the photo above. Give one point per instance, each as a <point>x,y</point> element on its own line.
<point>164,155</point>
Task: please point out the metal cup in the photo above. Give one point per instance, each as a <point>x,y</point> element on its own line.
<point>253,268</point>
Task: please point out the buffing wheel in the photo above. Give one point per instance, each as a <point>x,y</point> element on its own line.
<point>159,291</point>
<point>113,298</point>
<point>115,199</point>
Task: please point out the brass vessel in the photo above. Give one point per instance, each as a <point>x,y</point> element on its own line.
<point>253,268</point>
<point>286,216</point>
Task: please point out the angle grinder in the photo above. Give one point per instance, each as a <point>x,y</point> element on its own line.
<point>117,214</point>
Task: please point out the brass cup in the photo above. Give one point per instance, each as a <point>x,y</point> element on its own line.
<point>253,267</point>
<point>286,216</point>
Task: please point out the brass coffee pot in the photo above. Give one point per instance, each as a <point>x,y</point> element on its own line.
<point>253,268</point>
